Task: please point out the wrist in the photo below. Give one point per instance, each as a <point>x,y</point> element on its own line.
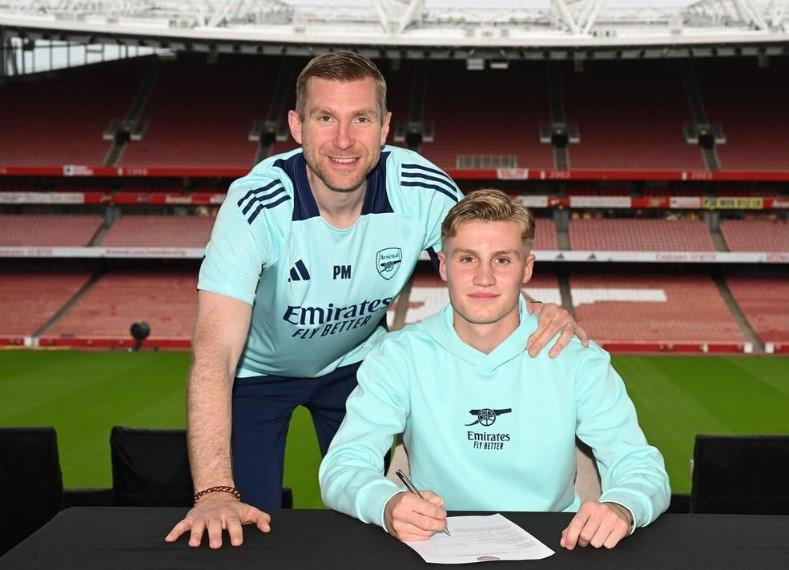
<point>624,513</point>
<point>227,489</point>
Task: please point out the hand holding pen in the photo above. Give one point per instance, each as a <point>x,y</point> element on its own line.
<point>410,486</point>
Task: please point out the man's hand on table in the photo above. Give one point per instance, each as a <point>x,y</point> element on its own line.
<point>213,514</point>
<point>597,524</point>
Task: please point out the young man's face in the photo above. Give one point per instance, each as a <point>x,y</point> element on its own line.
<point>485,266</point>
<point>341,133</point>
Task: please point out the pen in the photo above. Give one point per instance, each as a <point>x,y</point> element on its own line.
<point>410,486</point>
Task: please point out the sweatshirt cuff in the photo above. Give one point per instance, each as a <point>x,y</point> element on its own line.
<point>627,500</point>
<point>376,497</point>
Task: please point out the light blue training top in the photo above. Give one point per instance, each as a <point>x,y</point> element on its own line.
<point>320,294</point>
<point>490,432</point>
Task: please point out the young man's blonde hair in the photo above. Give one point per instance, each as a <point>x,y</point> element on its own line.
<point>342,66</point>
<point>489,206</point>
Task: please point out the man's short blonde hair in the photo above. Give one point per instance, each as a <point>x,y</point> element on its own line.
<point>342,66</point>
<point>489,206</point>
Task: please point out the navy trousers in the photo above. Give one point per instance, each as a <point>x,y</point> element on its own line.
<point>262,408</point>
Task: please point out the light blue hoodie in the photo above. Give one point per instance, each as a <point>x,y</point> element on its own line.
<point>490,432</point>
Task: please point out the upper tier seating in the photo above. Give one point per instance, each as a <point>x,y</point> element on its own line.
<point>51,230</point>
<point>508,125</point>
<point>200,114</point>
<point>60,118</point>
<point>639,235</point>
<point>749,102</point>
<point>629,116</point>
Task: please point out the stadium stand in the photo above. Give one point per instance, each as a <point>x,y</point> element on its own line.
<point>655,312</point>
<point>165,299</point>
<point>545,235</point>
<point>756,235</point>
<point>42,230</point>
<point>764,300</point>
<point>29,299</point>
<point>60,118</point>
<point>200,114</point>
<point>288,144</point>
<point>159,231</point>
<point>634,234</point>
<point>401,87</point>
<point>752,112</point>
<point>464,126</point>
<point>629,117</point>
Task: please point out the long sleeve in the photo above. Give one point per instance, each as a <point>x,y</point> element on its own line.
<point>351,475</point>
<point>632,471</point>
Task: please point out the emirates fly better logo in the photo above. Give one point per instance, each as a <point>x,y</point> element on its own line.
<point>487,440</point>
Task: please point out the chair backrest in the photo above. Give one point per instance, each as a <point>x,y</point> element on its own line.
<point>587,477</point>
<point>31,483</point>
<point>740,474</point>
<point>150,467</point>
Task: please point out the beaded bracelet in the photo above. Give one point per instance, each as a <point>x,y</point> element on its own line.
<point>219,489</point>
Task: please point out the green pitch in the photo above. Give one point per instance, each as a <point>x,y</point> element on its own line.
<point>83,394</point>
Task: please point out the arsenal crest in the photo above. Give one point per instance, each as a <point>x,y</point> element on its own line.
<point>387,261</point>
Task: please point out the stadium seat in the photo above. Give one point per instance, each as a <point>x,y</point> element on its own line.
<point>587,478</point>
<point>150,468</point>
<point>740,475</point>
<point>31,484</point>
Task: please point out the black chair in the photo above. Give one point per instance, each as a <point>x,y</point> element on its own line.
<point>31,483</point>
<point>150,467</point>
<point>740,475</point>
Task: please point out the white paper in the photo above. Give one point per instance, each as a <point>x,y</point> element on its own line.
<point>480,539</point>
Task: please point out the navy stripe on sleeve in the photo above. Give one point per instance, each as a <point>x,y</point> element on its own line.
<point>436,171</point>
<point>416,175</point>
<point>262,198</point>
<point>442,190</point>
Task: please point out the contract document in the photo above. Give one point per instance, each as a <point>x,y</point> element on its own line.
<point>480,539</point>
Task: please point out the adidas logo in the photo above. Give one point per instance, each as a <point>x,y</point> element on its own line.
<point>299,272</point>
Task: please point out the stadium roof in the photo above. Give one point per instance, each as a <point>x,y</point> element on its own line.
<point>461,29</point>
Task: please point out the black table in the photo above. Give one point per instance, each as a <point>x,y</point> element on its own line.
<point>121,538</point>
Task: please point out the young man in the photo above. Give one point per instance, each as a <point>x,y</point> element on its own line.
<point>486,426</point>
<point>307,253</point>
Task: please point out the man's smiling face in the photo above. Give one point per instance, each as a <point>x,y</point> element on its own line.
<point>341,132</point>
